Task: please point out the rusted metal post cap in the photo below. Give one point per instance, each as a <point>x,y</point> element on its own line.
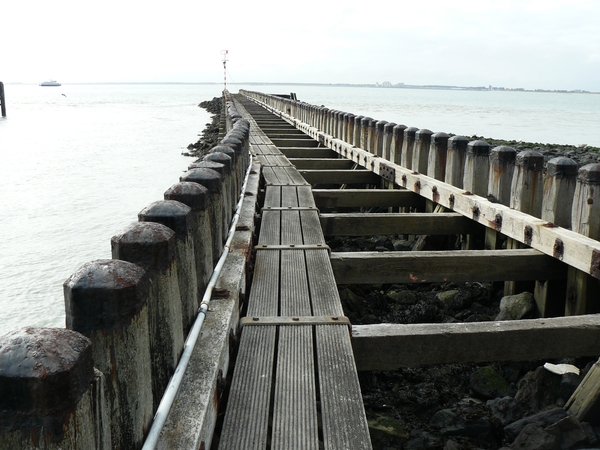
<point>170,213</point>
<point>208,178</point>
<point>43,372</point>
<point>530,160</point>
<point>478,148</point>
<point>212,165</point>
<point>224,149</point>
<point>147,244</point>
<point>503,154</point>
<point>589,174</point>
<point>561,167</point>
<point>104,295</point>
<point>219,158</point>
<point>191,194</point>
<point>439,138</point>
<point>410,132</point>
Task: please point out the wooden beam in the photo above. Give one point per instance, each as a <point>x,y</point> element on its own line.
<point>308,152</point>
<point>391,346</point>
<point>355,198</point>
<point>321,163</point>
<point>296,142</point>
<point>364,224</point>
<point>441,266</point>
<point>340,176</point>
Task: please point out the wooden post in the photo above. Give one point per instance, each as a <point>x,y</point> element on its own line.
<point>349,138</point>
<point>357,131</point>
<point>455,160</point>
<point>583,290</point>
<point>502,164</point>
<point>559,187</point>
<point>50,394</point>
<point>378,137</point>
<point>421,152</point>
<point>371,144</point>
<point>397,144</point>
<point>436,166</point>
<point>364,133</point>
<point>106,301</point>
<point>2,99</point>
<point>477,168</point>
<point>152,246</point>
<point>408,147</point>
<point>525,196</point>
<point>178,217</point>
<point>388,136</point>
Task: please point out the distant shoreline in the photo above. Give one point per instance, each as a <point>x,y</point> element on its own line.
<point>385,85</point>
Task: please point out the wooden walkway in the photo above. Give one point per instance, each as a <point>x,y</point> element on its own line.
<point>295,384</point>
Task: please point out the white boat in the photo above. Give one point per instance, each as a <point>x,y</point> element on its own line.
<point>50,83</point>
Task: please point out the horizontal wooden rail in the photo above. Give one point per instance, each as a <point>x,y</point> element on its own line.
<point>391,346</point>
<point>352,198</point>
<point>443,266</point>
<point>364,224</point>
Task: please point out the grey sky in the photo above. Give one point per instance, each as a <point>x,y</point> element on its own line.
<point>547,44</point>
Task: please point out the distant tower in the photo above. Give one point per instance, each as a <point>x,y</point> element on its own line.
<point>225,53</point>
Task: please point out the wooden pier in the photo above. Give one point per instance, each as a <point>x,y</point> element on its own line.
<point>2,100</point>
<point>271,360</point>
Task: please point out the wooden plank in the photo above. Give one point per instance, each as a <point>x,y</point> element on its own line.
<point>308,142</point>
<point>348,198</point>
<point>340,177</point>
<point>299,152</point>
<point>246,423</point>
<point>585,401</point>
<point>442,266</point>
<point>342,411</point>
<point>391,346</point>
<point>365,224</point>
<point>321,163</point>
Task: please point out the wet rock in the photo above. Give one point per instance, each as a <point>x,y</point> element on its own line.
<point>568,384</point>
<point>487,383</point>
<point>569,431</point>
<point>537,389</point>
<point>534,437</point>
<point>352,302</point>
<point>386,430</point>
<point>402,245</point>
<point>506,409</point>
<point>541,420</point>
<point>448,298</point>
<point>516,307</point>
<point>403,297</point>
<point>424,442</point>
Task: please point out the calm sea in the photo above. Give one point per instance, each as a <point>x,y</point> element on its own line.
<point>78,162</point>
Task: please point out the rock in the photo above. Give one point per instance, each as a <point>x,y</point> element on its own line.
<point>541,420</point>
<point>402,245</point>
<point>569,431</point>
<point>465,422</point>
<point>537,390</point>
<point>506,409</point>
<point>386,430</point>
<point>424,442</point>
<point>403,297</point>
<point>534,437</point>
<point>516,307</point>
<point>352,302</point>
<point>568,384</point>
<point>447,296</point>
<point>487,383</point>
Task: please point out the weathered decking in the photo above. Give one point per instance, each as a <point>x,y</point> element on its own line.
<point>295,382</point>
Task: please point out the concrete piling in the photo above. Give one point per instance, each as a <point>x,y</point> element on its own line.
<point>106,300</point>
<point>178,217</point>
<point>152,246</point>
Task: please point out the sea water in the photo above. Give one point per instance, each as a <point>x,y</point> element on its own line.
<point>78,162</point>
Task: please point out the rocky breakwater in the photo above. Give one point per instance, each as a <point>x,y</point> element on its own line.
<point>209,137</point>
<point>516,405</point>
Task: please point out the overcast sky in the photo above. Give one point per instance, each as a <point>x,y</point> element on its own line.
<point>547,44</point>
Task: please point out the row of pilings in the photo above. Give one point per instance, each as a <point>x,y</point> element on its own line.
<point>97,382</point>
<point>557,191</point>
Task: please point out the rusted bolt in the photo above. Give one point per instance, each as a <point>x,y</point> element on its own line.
<point>476,212</point>
<point>528,235</point>
<point>255,319</point>
<point>498,222</point>
<point>451,200</point>
<point>558,249</point>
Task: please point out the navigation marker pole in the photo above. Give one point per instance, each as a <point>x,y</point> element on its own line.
<point>225,53</point>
